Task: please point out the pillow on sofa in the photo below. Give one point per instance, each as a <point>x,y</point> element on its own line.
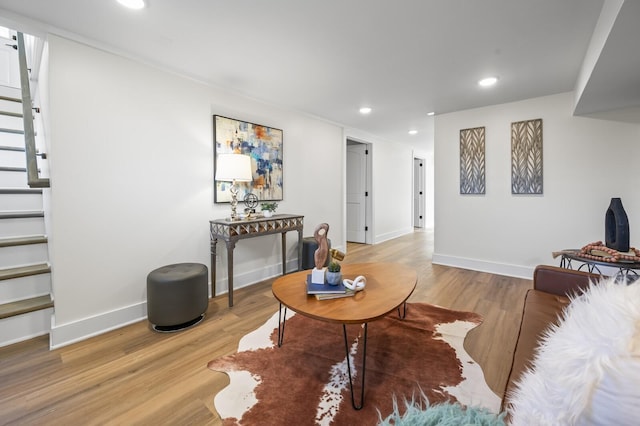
<point>587,368</point>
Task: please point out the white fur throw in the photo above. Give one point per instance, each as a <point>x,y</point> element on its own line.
<point>587,369</point>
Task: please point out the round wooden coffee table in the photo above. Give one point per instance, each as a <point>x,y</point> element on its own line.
<point>389,285</point>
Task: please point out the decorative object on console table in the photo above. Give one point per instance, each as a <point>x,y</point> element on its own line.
<point>232,231</point>
<point>263,144</point>
<point>268,209</point>
<point>233,168</point>
<point>617,226</point>
<point>526,157</point>
<point>250,203</point>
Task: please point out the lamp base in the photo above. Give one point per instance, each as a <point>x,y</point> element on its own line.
<point>233,189</point>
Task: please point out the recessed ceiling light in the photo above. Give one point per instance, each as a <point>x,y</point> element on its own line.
<point>489,81</point>
<point>413,132</point>
<point>431,113</point>
<point>132,4</point>
<point>365,110</point>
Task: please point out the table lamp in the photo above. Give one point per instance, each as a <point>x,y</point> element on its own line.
<point>233,168</point>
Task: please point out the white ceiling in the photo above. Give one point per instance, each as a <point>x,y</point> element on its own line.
<point>328,58</point>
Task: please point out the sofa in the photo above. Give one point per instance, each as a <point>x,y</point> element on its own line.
<point>542,307</point>
<point>577,359</point>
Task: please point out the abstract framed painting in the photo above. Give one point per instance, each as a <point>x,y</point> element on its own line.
<point>263,144</point>
<point>472,161</point>
<point>526,157</point>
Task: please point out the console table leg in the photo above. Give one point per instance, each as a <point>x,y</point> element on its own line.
<point>214,243</point>
<point>364,360</point>
<point>284,253</point>
<point>230,247</point>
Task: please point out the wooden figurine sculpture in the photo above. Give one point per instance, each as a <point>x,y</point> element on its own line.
<point>320,235</point>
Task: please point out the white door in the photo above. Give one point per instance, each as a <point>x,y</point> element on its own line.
<point>418,193</point>
<point>356,192</point>
<point>9,68</point>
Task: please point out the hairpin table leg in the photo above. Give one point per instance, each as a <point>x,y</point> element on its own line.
<point>364,359</point>
<point>282,320</point>
<point>403,315</point>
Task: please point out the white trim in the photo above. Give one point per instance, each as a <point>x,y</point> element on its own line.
<point>66,334</point>
<point>24,327</point>
<point>517,271</point>
<point>252,277</point>
<point>391,235</point>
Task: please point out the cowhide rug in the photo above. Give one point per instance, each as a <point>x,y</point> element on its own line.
<point>305,381</point>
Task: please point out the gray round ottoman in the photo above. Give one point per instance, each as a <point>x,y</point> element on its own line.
<point>177,296</point>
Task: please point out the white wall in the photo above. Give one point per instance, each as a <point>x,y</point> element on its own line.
<point>131,158</point>
<point>586,162</point>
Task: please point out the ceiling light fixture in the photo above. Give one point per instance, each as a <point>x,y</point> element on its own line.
<point>489,81</point>
<point>431,113</point>
<point>365,110</point>
<point>132,4</point>
<point>413,132</point>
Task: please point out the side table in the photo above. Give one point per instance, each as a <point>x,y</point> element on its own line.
<point>230,231</point>
<point>627,270</point>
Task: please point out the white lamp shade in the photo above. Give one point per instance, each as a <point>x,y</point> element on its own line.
<point>230,167</point>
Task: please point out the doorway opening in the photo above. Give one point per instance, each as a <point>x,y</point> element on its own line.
<point>359,218</point>
<point>418,192</point>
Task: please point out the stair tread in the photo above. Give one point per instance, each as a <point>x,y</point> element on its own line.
<point>21,214</point>
<point>24,271</point>
<point>23,241</point>
<point>25,306</point>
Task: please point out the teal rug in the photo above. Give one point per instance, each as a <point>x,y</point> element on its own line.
<point>421,413</point>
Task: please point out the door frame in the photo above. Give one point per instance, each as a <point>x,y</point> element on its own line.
<point>369,215</point>
<point>419,184</point>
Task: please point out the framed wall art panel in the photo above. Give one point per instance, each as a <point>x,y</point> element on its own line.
<point>526,157</point>
<point>472,161</point>
<point>263,145</point>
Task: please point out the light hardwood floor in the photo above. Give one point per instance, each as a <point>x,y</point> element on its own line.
<point>136,376</point>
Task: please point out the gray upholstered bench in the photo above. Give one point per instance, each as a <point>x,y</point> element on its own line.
<point>177,296</point>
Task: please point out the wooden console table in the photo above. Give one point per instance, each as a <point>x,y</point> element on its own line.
<point>232,231</point>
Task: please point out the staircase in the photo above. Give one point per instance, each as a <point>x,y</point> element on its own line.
<point>26,303</point>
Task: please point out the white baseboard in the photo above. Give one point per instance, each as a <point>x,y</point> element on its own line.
<point>24,327</point>
<point>517,271</point>
<point>247,278</point>
<point>391,235</point>
<point>66,334</point>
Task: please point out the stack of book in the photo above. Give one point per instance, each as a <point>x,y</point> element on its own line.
<point>327,291</point>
